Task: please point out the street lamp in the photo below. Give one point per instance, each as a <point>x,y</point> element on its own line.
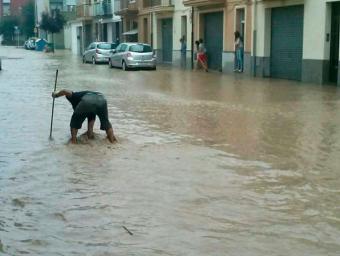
<point>17,33</point>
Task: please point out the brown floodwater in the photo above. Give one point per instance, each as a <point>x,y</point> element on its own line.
<point>206,164</point>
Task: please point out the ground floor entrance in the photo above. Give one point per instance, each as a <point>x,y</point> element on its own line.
<point>334,49</point>
<point>286,42</point>
<point>213,39</point>
<point>167,33</point>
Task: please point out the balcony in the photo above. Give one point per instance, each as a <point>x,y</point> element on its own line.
<point>103,8</point>
<point>198,3</point>
<point>127,7</point>
<point>84,11</point>
<point>159,6</point>
<point>69,14</point>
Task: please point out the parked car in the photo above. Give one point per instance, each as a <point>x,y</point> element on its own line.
<point>133,55</point>
<point>30,44</point>
<point>98,52</point>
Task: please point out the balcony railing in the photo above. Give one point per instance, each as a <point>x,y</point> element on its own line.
<point>202,2</point>
<point>125,6</point>
<point>84,11</point>
<point>103,8</point>
<point>156,3</point>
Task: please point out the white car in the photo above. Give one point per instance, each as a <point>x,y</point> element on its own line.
<point>133,55</point>
<point>98,52</point>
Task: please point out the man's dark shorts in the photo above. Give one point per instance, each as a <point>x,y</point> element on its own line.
<point>91,104</point>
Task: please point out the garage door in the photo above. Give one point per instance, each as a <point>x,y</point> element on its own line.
<point>167,40</point>
<point>213,39</point>
<point>286,42</point>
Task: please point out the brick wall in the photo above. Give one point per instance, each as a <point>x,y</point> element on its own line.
<point>16,6</point>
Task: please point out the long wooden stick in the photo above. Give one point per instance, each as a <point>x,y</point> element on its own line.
<point>55,87</point>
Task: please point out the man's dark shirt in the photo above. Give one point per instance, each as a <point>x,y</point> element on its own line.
<point>76,98</point>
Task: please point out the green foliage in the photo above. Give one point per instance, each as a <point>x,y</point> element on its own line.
<point>27,22</point>
<point>52,23</point>
<point>7,24</point>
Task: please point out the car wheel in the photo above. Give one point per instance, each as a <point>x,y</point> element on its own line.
<point>110,63</point>
<point>154,68</point>
<point>94,61</point>
<point>124,67</point>
<point>84,60</point>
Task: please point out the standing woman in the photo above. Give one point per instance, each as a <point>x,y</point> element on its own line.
<point>239,51</point>
<point>202,58</point>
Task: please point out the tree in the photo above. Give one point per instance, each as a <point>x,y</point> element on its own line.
<point>52,23</point>
<point>7,25</point>
<point>27,21</point>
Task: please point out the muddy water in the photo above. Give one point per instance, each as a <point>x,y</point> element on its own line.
<point>207,164</point>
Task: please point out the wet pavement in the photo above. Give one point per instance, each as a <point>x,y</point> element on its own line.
<point>206,164</point>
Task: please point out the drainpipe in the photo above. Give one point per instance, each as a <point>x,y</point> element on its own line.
<point>254,36</point>
<point>83,38</point>
<point>151,29</point>
<point>192,37</point>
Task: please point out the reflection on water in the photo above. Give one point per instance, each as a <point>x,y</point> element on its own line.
<point>207,164</point>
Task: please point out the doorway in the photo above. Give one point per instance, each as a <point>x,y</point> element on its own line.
<point>167,40</point>
<point>334,49</point>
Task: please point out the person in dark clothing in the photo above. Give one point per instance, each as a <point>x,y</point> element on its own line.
<point>87,104</point>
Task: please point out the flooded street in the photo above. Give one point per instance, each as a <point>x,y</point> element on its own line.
<point>206,164</point>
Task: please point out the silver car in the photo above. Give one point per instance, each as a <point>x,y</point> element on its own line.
<point>98,52</point>
<point>133,55</point>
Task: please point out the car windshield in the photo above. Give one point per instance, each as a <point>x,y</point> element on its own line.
<point>105,46</point>
<point>140,48</point>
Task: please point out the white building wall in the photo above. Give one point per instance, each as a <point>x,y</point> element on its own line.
<point>67,36</point>
<point>315,19</point>
<point>263,21</point>
<point>181,10</point>
<point>109,32</point>
<point>40,7</point>
<point>74,39</point>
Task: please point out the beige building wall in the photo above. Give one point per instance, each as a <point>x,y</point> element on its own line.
<point>230,24</point>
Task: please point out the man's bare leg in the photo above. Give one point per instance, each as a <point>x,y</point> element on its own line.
<point>90,125</point>
<point>110,135</point>
<point>74,135</point>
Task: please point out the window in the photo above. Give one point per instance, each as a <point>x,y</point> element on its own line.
<point>122,48</point>
<point>118,48</point>
<point>184,27</point>
<point>146,30</point>
<point>134,25</point>
<point>140,48</point>
<point>240,21</point>
<point>104,46</point>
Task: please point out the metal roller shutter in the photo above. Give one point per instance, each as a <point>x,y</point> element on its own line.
<point>213,39</point>
<point>286,42</point>
<point>167,40</point>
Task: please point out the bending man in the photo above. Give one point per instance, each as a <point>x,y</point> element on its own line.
<point>87,104</point>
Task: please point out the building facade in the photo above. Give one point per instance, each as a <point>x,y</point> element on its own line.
<point>95,21</point>
<point>215,22</point>
<point>5,8</point>
<point>162,23</point>
<point>16,5</point>
<point>297,40</point>
<point>284,39</point>
<point>67,9</point>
